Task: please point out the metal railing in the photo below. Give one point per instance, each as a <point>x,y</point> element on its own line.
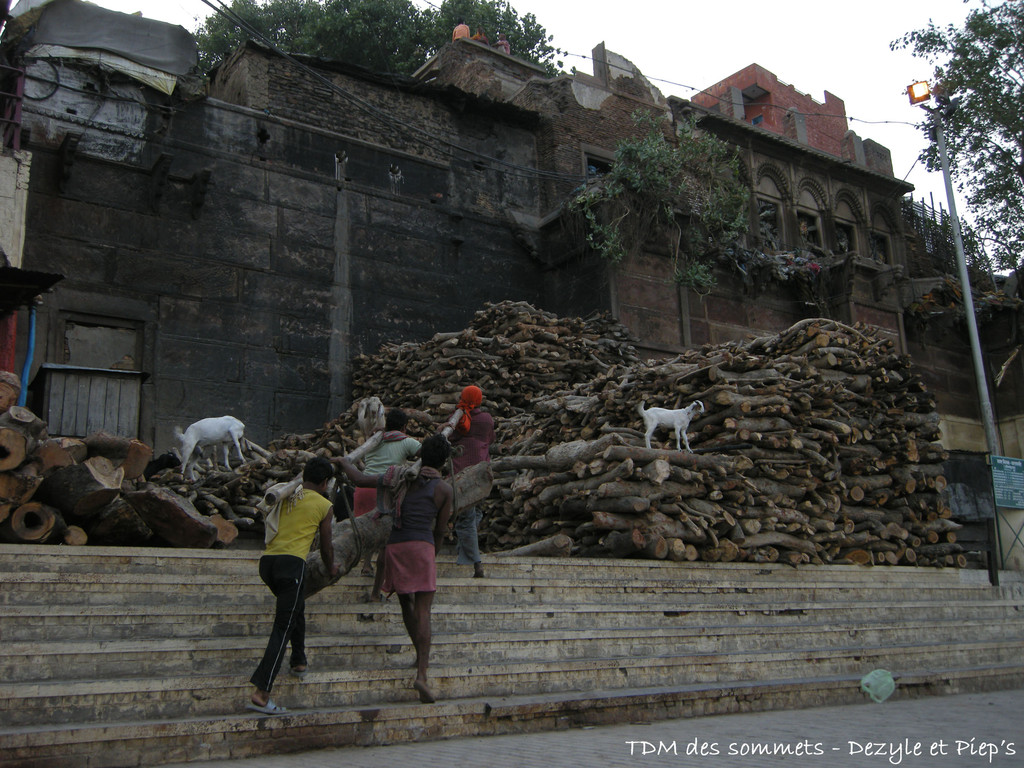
<point>934,231</point>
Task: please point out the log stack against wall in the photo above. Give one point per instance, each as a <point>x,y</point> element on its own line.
<point>818,444</point>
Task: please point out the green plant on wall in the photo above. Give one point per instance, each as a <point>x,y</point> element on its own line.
<point>687,191</point>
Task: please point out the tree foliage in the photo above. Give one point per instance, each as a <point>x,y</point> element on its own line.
<point>980,69</point>
<point>686,191</point>
<point>381,35</point>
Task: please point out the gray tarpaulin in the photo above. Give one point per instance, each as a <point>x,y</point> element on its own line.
<point>77,24</point>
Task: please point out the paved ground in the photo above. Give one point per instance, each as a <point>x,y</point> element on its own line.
<point>985,729</point>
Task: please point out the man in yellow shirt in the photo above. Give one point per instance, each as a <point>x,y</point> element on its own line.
<point>461,30</point>
<point>283,569</point>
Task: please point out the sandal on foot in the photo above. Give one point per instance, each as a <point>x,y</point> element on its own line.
<point>270,708</point>
<point>299,673</point>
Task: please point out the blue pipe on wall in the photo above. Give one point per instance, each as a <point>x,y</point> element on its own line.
<point>29,350</point>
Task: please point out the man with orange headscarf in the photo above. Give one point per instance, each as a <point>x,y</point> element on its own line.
<point>474,432</point>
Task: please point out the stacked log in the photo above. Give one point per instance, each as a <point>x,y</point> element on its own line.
<point>78,491</point>
<point>26,455</point>
<point>515,353</point>
<point>818,444</point>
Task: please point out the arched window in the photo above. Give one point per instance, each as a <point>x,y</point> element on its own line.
<point>808,219</point>
<point>769,215</point>
<point>846,228</point>
<point>880,239</point>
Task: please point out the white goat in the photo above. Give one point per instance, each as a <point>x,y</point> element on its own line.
<point>664,417</point>
<point>370,416</point>
<point>215,431</point>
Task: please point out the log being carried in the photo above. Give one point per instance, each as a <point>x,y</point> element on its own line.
<point>357,535</point>
<point>421,508</point>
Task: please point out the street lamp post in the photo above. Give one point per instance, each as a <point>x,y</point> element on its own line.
<point>987,414</point>
<point>918,93</point>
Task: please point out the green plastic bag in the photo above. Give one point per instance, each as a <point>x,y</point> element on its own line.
<point>878,684</point>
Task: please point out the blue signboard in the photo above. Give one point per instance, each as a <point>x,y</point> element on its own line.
<point>1008,481</point>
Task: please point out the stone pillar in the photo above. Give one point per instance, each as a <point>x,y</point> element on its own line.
<point>14,176</point>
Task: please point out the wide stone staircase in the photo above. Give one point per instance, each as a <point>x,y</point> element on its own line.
<point>137,657</point>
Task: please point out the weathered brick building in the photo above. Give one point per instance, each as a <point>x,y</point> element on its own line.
<point>756,96</point>
<point>233,252</point>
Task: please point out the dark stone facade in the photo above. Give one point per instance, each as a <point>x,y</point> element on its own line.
<point>251,298</point>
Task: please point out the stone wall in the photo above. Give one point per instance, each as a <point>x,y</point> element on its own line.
<point>252,243</point>
<point>231,307</point>
<point>250,295</point>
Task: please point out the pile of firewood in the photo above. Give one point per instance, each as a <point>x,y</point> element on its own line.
<point>817,445</point>
<point>515,353</point>
<point>92,490</point>
<point>78,491</point>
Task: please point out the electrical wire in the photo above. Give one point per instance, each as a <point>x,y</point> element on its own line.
<point>722,100</point>
<point>706,92</point>
<point>453,149</point>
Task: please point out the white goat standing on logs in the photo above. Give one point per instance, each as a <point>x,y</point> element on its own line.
<point>370,416</point>
<point>214,431</point>
<point>664,417</point>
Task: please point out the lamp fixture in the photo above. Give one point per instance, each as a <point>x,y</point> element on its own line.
<point>919,91</point>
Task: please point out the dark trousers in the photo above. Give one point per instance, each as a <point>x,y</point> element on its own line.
<point>285,575</point>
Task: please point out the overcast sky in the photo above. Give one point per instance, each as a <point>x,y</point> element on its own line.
<point>683,46</point>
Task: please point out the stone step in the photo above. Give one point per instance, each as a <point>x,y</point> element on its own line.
<point>150,742</point>
<point>170,696</point>
<point>116,658</point>
<point>76,660</point>
<point>226,565</point>
<point>54,589</point>
<point>346,614</point>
